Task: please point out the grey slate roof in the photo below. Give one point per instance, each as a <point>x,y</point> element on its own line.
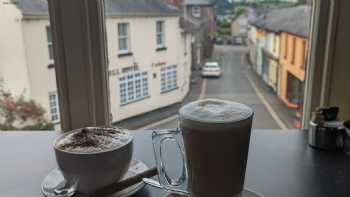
<point>140,7</point>
<point>189,26</point>
<point>33,7</point>
<point>198,2</point>
<point>113,8</point>
<point>294,20</point>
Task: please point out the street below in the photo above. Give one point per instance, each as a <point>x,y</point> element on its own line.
<point>235,84</point>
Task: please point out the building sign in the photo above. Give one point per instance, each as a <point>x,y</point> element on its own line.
<point>159,64</point>
<point>133,67</point>
<point>113,72</point>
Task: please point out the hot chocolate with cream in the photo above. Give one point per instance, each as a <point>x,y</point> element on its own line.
<point>92,140</point>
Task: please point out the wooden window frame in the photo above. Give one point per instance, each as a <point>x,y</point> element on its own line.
<point>321,47</point>
<point>286,37</point>
<point>79,36</point>
<point>303,57</point>
<point>294,45</point>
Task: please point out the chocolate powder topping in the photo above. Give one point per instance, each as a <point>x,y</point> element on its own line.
<point>90,137</point>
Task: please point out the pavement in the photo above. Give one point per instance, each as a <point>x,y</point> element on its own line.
<point>238,83</point>
<point>286,115</point>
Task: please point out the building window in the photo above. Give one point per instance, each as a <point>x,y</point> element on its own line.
<point>133,87</point>
<point>160,34</point>
<point>49,43</point>
<point>123,38</point>
<point>285,46</point>
<point>295,89</point>
<point>304,51</point>
<point>54,108</point>
<point>196,11</point>
<point>294,45</point>
<point>168,79</point>
<point>274,43</point>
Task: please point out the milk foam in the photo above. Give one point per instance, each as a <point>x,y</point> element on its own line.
<point>99,139</point>
<point>215,111</point>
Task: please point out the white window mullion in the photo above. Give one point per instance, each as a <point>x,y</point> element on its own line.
<point>168,79</point>
<point>136,86</point>
<point>54,107</point>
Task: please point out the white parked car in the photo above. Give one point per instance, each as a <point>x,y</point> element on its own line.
<point>211,69</point>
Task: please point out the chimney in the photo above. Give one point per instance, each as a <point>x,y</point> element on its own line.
<point>176,3</point>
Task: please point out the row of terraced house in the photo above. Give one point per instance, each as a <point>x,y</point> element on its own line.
<point>278,46</point>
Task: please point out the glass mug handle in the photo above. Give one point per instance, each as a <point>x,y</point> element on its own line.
<point>178,185</point>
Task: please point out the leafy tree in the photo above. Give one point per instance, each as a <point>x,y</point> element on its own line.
<point>18,113</point>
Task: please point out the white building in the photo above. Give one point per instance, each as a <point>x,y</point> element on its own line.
<point>149,55</point>
<point>239,29</point>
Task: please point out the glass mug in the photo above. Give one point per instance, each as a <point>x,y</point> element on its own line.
<point>213,139</point>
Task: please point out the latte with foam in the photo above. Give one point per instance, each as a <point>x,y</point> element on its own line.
<point>215,111</point>
<point>216,136</point>
<point>92,140</point>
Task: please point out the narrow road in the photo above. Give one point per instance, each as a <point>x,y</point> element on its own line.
<point>234,85</point>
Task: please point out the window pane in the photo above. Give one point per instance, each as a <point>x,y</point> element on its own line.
<point>123,44</point>
<point>28,89</point>
<point>159,39</point>
<point>160,33</point>
<point>251,53</point>
<point>159,26</point>
<point>123,31</point>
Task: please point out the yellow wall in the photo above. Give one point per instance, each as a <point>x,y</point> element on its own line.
<point>290,44</point>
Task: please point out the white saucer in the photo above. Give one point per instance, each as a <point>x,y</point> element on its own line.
<point>245,193</point>
<point>55,178</point>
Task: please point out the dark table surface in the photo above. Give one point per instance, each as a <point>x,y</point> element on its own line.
<point>280,164</point>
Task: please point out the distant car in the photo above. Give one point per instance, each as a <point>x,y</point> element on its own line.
<point>219,41</point>
<point>211,69</point>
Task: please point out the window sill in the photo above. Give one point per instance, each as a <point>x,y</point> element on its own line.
<point>134,101</point>
<point>51,65</point>
<point>170,90</point>
<point>55,122</point>
<point>161,49</point>
<point>125,54</point>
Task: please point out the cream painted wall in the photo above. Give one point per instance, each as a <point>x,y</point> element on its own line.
<point>143,47</point>
<point>252,34</point>
<point>239,26</point>
<point>24,59</point>
<point>252,45</point>
<point>13,64</point>
<point>42,78</point>
<point>272,43</point>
